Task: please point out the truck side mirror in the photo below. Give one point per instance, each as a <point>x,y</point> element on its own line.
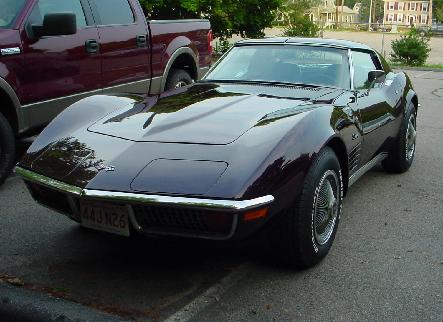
<point>56,24</point>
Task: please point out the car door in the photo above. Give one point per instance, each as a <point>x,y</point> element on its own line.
<point>124,46</point>
<point>59,69</point>
<point>377,112</point>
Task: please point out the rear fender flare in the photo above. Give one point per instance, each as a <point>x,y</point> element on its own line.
<point>187,50</point>
<point>15,110</point>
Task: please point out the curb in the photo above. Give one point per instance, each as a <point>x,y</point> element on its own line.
<point>424,69</point>
<point>17,304</point>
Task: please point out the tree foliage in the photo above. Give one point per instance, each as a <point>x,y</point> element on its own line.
<point>412,49</point>
<point>438,10</point>
<point>299,25</point>
<point>247,18</point>
<point>377,9</point>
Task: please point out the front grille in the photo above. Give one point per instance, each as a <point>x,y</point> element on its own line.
<point>51,198</point>
<point>181,220</point>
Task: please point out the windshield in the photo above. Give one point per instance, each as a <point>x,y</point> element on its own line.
<point>9,10</point>
<point>295,64</point>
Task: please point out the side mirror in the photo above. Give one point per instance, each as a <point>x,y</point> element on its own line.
<point>56,24</point>
<point>374,74</point>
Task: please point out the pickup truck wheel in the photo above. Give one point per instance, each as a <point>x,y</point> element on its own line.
<point>402,154</point>
<point>7,149</point>
<point>302,235</point>
<point>178,78</point>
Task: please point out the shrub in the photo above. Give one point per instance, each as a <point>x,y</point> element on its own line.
<point>222,46</point>
<point>301,26</point>
<point>412,49</point>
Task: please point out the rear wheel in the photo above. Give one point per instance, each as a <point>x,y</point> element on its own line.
<point>178,78</point>
<point>303,234</point>
<point>7,149</point>
<point>402,154</point>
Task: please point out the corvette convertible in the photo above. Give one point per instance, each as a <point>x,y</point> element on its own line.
<point>270,141</point>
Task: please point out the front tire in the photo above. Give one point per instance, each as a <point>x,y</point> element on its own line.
<point>7,149</point>
<point>402,154</point>
<point>303,234</point>
<point>178,78</point>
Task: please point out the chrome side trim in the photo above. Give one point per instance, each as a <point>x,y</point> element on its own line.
<point>211,204</point>
<point>368,166</point>
<point>94,92</point>
<point>227,205</point>
<point>48,182</point>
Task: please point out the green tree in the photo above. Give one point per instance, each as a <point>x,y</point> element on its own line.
<point>412,49</point>
<point>299,25</point>
<point>247,18</point>
<point>438,10</point>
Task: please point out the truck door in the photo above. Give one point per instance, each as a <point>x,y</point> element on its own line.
<point>59,69</point>
<point>124,45</point>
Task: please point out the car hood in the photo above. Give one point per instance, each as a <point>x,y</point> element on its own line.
<point>206,113</point>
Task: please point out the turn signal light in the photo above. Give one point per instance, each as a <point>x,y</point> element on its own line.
<point>255,214</point>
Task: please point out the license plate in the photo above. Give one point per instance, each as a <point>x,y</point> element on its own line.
<point>104,217</point>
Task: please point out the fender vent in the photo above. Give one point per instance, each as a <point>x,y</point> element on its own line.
<point>354,158</point>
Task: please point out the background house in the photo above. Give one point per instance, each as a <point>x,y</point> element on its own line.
<point>407,13</point>
<point>325,14</point>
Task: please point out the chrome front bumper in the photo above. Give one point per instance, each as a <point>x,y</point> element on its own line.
<point>130,199</point>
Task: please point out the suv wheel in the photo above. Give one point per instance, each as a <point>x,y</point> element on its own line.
<point>7,149</point>
<point>178,78</point>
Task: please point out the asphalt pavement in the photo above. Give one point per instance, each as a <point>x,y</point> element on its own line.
<point>386,263</point>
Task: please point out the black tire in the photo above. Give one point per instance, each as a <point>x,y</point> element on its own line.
<point>295,234</point>
<point>402,154</point>
<point>177,78</point>
<point>7,149</point>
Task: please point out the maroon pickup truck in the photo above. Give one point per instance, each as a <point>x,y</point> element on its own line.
<point>55,52</point>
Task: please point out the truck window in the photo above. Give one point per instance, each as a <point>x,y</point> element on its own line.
<point>114,12</point>
<point>9,11</point>
<point>44,7</point>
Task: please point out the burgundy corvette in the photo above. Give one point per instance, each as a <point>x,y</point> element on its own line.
<point>270,140</point>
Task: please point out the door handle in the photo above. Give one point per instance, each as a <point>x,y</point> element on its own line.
<point>92,46</point>
<point>141,41</point>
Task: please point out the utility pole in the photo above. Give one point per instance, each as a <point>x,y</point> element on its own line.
<point>341,14</point>
<point>336,14</point>
<point>370,16</point>
<point>430,14</point>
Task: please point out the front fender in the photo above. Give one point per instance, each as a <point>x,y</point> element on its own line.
<point>81,115</point>
<point>283,172</point>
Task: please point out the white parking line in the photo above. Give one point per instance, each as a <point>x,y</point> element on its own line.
<point>210,296</point>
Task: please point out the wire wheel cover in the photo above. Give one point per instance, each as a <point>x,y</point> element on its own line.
<point>326,207</point>
<point>411,136</point>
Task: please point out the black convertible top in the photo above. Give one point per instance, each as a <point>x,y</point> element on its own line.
<point>308,41</point>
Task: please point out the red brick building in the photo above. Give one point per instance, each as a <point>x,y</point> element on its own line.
<point>407,13</point>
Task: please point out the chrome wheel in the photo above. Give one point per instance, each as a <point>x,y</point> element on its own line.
<point>411,136</point>
<point>326,207</point>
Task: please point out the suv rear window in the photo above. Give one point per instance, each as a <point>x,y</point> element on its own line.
<point>114,12</point>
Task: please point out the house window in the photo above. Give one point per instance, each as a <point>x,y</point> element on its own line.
<point>401,6</point>
<point>413,6</point>
<point>424,18</point>
<point>425,7</point>
<point>390,17</point>
<point>400,17</point>
<point>391,5</point>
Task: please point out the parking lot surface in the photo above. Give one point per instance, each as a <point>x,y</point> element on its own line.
<point>386,263</point>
